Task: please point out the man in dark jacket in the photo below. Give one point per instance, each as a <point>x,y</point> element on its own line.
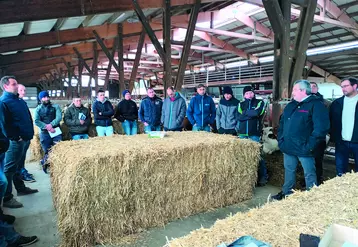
<point>321,146</point>
<point>344,125</point>
<point>127,114</point>
<point>251,111</point>
<point>47,118</point>
<point>173,112</point>
<point>227,116</point>
<point>16,124</point>
<point>78,119</point>
<point>303,124</point>
<point>103,112</point>
<point>201,110</point>
<point>150,111</point>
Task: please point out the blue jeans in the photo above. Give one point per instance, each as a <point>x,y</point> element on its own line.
<point>343,149</point>
<point>3,179</point>
<point>262,164</point>
<point>200,128</point>
<point>13,157</point>
<point>150,128</point>
<point>290,163</point>
<point>130,127</point>
<point>80,137</point>
<point>46,143</point>
<point>8,235</point>
<point>104,130</point>
<point>20,168</point>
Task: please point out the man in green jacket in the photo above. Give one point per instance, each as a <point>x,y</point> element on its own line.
<point>47,117</point>
<point>173,111</point>
<point>78,119</point>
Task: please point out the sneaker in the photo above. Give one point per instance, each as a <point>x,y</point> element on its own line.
<point>24,171</point>
<point>12,204</point>
<point>24,241</point>
<point>26,191</point>
<point>45,168</point>
<point>278,197</point>
<point>8,218</point>
<point>28,178</point>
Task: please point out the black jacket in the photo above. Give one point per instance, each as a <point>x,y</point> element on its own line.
<point>335,115</point>
<point>106,108</point>
<point>72,119</point>
<point>302,126</point>
<point>250,116</point>
<point>4,143</point>
<point>126,110</point>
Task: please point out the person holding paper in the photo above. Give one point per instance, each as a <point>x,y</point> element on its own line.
<point>103,112</point>
<point>78,119</point>
<point>16,125</point>
<point>48,117</point>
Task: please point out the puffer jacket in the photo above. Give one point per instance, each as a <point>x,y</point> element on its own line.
<point>173,112</point>
<point>227,115</point>
<point>106,110</point>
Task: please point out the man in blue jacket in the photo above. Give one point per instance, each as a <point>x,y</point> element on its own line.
<point>103,112</point>
<point>251,112</point>
<point>201,110</point>
<point>16,124</point>
<point>47,118</point>
<point>344,125</point>
<point>150,111</point>
<point>174,109</point>
<point>303,124</point>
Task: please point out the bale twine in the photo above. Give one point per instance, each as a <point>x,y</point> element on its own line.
<point>280,223</point>
<point>105,188</point>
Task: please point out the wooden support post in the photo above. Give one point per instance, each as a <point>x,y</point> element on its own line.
<point>109,67</point>
<point>122,84</point>
<point>95,65</point>
<point>186,48</point>
<point>80,87</point>
<point>167,47</point>
<point>136,61</point>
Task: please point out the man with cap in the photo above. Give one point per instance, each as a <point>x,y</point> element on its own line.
<point>173,111</point>
<point>78,119</point>
<point>16,125</point>
<point>103,112</point>
<point>47,117</point>
<point>201,110</point>
<point>150,111</point>
<point>227,116</point>
<point>127,113</point>
<point>251,111</point>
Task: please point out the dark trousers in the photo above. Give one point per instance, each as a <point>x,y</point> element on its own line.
<point>319,154</point>
<point>13,158</point>
<point>46,143</point>
<point>343,148</point>
<point>176,129</point>
<point>227,131</point>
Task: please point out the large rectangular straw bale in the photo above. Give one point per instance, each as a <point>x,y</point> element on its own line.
<point>280,223</point>
<point>105,188</point>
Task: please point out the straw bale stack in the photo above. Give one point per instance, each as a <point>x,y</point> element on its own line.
<point>276,170</point>
<point>280,223</point>
<point>35,147</point>
<point>117,127</point>
<point>135,182</point>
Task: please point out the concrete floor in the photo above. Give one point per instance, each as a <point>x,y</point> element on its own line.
<point>38,216</point>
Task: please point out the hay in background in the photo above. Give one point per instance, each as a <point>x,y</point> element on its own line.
<point>280,223</point>
<point>65,132</point>
<point>105,188</point>
<point>36,152</point>
<point>276,170</point>
<point>117,127</point>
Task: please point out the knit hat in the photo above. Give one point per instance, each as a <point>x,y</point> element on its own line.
<point>43,94</point>
<point>247,89</point>
<point>125,92</point>
<point>227,90</point>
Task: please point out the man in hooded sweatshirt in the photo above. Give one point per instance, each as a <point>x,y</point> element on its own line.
<point>227,116</point>
<point>201,110</point>
<point>47,117</point>
<point>103,111</point>
<point>173,111</point>
<point>150,111</point>
<point>127,114</point>
<point>251,111</point>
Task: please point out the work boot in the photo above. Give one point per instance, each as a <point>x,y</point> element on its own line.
<point>6,218</point>
<point>278,197</point>
<point>26,191</point>
<point>12,203</point>
<point>24,241</point>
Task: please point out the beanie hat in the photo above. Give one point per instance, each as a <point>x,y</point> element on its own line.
<point>43,94</point>
<point>125,92</point>
<point>247,89</point>
<point>227,90</point>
